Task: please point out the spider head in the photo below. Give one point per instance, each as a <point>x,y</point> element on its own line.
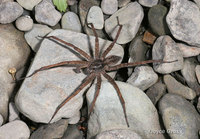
<point>111,60</point>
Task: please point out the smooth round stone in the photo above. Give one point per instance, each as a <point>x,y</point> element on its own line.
<point>15,130</point>
<point>95,16</point>
<point>188,51</point>
<point>13,112</point>
<point>180,118</point>
<point>148,3</point>
<point>28,4</point>
<point>70,21</point>
<point>1,120</point>
<point>24,23</point>
<point>9,12</point>
<point>122,3</point>
<point>109,6</point>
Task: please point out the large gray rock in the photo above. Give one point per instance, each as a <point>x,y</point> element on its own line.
<point>108,113</point>
<point>197,2</point>
<point>28,4</point>
<point>148,3</point>
<point>1,1</point>
<point>180,118</point>
<point>130,16</point>
<point>39,95</point>
<point>183,20</point>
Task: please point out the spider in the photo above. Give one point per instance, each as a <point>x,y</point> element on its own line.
<point>95,67</point>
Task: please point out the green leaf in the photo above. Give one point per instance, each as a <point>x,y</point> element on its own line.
<point>61,5</point>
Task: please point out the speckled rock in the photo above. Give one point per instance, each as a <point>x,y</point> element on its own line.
<point>24,23</point>
<point>13,112</point>
<point>130,17</point>
<point>183,21</point>
<point>108,113</point>
<point>9,12</point>
<point>32,36</point>
<point>180,118</point>
<point>166,49</point>
<point>122,3</point>
<point>72,132</point>
<point>28,4</point>
<point>197,71</point>
<point>39,96</point>
<point>188,51</point>
<point>15,130</point>
<point>148,3</point>
<point>109,6</point>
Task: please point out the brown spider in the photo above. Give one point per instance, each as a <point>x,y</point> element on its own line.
<point>95,67</point>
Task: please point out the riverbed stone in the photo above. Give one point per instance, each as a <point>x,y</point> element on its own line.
<point>148,3</point>
<point>28,4</point>
<point>197,71</point>
<point>24,23</point>
<point>188,51</point>
<point>109,6</point>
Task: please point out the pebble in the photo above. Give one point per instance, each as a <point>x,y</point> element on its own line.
<point>28,4</point>
<point>95,16</point>
<point>71,2</point>
<point>175,87</point>
<point>180,118</point>
<point>197,71</point>
<point>1,120</point>
<point>24,23</point>
<point>39,96</point>
<point>15,130</point>
<point>122,3</point>
<point>130,17</point>
<point>143,77</point>
<point>156,91</point>
<point>148,3</point>
<point>157,20</point>
<point>51,131</point>
<point>72,132</point>
<point>70,21</point>
<point>198,105</point>
<point>149,38</point>
<point>9,12</point>
<point>183,21</point>
<point>45,13</point>
<point>188,51</point>
<point>13,112</point>
<point>109,6</point>
<point>14,52</point>
<point>197,2</point>
<point>188,73</point>
<point>166,49</point>
<point>108,113</point>
<point>32,35</point>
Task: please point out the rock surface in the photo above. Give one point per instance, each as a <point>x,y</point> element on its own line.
<point>148,3</point>
<point>197,71</point>
<point>1,120</point>
<point>109,6</point>
<point>72,132</point>
<point>28,4</point>
<point>188,51</point>
<point>24,23</point>
<point>13,112</point>
<point>122,3</point>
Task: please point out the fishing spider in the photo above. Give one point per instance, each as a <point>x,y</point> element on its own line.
<point>95,67</point>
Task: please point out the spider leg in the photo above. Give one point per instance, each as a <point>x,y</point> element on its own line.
<point>98,86</point>
<point>87,80</point>
<point>114,41</point>
<point>96,41</point>
<point>119,94</point>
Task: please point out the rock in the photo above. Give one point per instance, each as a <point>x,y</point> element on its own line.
<point>109,6</point>
<point>198,105</point>
<point>188,73</point>
<point>183,21</point>
<point>175,87</point>
<point>51,131</point>
<point>157,20</point>
<point>9,12</point>
<point>122,3</point>
<point>197,2</point>
<point>117,134</point>
<point>148,3</point>
<point>24,23</point>
<point>130,17</point>
<point>71,2</point>
<point>45,13</point>
<point>149,38</point>
<point>32,36</point>
<point>13,112</point>
<point>29,5</point>
<point>70,21</point>
<point>1,120</point>
<point>166,49</point>
<point>15,130</point>
<point>95,16</point>
<point>1,1</point>
<point>197,71</point>
<point>39,96</point>
<point>180,118</point>
<point>188,51</point>
<point>143,77</point>
<point>74,8</point>
<point>89,32</point>
<point>156,91</point>
<point>14,52</point>
<point>108,113</point>
<point>72,132</point>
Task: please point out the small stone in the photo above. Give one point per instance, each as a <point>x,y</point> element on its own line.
<point>143,77</point>
<point>122,3</point>
<point>183,21</point>
<point>1,120</point>
<point>175,87</point>
<point>148,3</point>
<point>197,71</point>
<point>51,131</point>
<point>166,49</point>
<point>71,2</point>
<point>45,13</point>
<point>13,112</point>
<point>70,21</point>
<point>32,36</point>
<point>95,16</point>
<point>15,130</point>
<point>130,17</point>
<point>156,91</point>
<point>157,20</point>
<point>24,23</point>
<point>188,51</point>
<point>28,4</point>
<point>149,38</point>
<point>109,6</point>
<point>72,132</point>
<point>180,118</point>
<point>9,12</point>
<point>198,105</point>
